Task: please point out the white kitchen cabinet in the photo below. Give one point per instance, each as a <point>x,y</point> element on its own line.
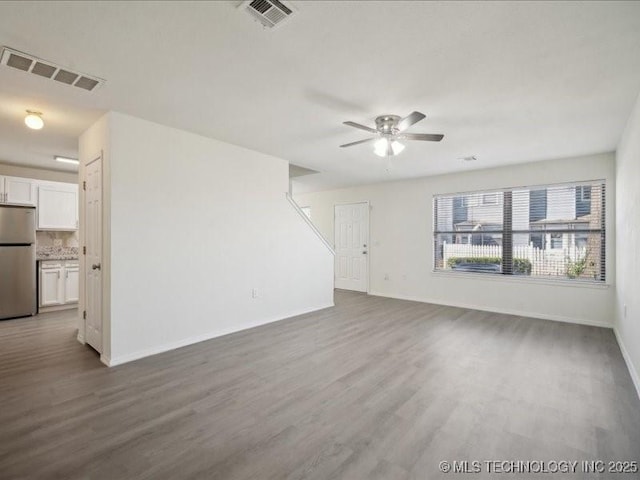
<point>57,206</point>
<point>18,191</point>
<point>51,285</point>
<point>59,283</point>
<point>71,283</point>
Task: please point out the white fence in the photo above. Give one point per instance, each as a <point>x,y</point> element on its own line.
<point>552,262</point>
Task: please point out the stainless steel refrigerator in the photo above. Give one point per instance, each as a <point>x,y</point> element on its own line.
<point>18,296</point>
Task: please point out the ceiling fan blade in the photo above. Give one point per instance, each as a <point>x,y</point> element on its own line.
<point>361,127</point>
<point>359,142</point>
<point>428,137</point>
<point>409,120</point>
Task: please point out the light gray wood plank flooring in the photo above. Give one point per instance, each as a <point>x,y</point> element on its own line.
<point>373,388</point>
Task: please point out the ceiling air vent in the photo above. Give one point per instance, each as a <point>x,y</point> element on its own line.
<point>270,13</point>
<point>43,68</point>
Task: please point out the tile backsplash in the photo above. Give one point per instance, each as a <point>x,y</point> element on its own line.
<point>56,239</point>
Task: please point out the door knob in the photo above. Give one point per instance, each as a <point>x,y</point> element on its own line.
<point>364,253</point>
<point>96,266</point>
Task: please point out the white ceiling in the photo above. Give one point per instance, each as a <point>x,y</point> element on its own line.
<point>506,82</point>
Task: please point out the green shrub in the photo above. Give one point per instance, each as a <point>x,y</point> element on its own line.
<point>577,268</point>
<point>520,265</point>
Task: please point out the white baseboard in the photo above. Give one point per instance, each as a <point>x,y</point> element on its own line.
<point>106,360</point>
<point>505,311</point>
<point>129,357</point>
<point>57,308</point>
<point>635,378</point>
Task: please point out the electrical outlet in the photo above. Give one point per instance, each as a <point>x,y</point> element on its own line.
<point>254,293</point>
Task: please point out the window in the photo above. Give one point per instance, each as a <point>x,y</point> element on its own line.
<point>583,193</point>
<point>582,240</point>
<point>552,231</point>
<point>556,240</point>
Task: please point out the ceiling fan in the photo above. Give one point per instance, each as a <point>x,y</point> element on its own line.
<point>390,129</point>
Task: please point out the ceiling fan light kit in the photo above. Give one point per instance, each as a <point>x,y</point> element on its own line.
<point>390,129</point>
<point>382,146</point>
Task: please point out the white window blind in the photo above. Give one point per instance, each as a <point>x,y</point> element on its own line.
<point>548,231</point>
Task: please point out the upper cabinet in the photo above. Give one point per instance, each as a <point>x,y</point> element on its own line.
<point>57,206</point>
<point>18,191</point>
<point>56,202</point>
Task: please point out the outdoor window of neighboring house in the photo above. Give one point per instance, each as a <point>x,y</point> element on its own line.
<point>548,231</point>
<point>556,240</point>
<point>581,240</point>
<point>584,193</point>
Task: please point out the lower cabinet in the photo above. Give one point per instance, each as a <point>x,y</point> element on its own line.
<point>59,283</point>
<point>71,283</point>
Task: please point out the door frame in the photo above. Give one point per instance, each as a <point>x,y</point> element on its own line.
<point>368,262</point>
<point>83,243</point>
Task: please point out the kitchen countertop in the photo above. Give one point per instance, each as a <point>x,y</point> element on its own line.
<point>56,253</point>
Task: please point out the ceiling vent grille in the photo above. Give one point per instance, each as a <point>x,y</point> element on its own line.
<point>270,13</point>
<point>43,68</point>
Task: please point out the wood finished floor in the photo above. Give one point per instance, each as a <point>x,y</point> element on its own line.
<point>373,388</point>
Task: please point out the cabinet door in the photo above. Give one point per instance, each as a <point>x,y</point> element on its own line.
<point>51,286</point>
<point>71,283</point>
<point>20,191</point>
<point>58,207</point>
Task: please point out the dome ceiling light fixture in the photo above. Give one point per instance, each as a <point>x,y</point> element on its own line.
<point>390,130</point>
<point>33,120</point>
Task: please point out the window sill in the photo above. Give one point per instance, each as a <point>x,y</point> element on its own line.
<point>498,277</point>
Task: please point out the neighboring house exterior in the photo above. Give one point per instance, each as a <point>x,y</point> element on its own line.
<point>552,211</point>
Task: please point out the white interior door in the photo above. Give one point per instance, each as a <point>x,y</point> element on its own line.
<point>93,258</point>
<point>351,230</point>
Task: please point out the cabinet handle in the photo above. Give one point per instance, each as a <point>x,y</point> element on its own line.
<point>66,274</point>
<point>58,274</point>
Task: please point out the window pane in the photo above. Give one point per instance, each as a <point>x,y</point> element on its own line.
<point>466,213</point>
<point>553,231</point>
<point>578,257</point>
<point>483,255</point>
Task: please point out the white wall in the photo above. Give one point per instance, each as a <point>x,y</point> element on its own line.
<point>195,225</point>
<point>38,173</point>
<point>627,324</point>
<point>402,242</point>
